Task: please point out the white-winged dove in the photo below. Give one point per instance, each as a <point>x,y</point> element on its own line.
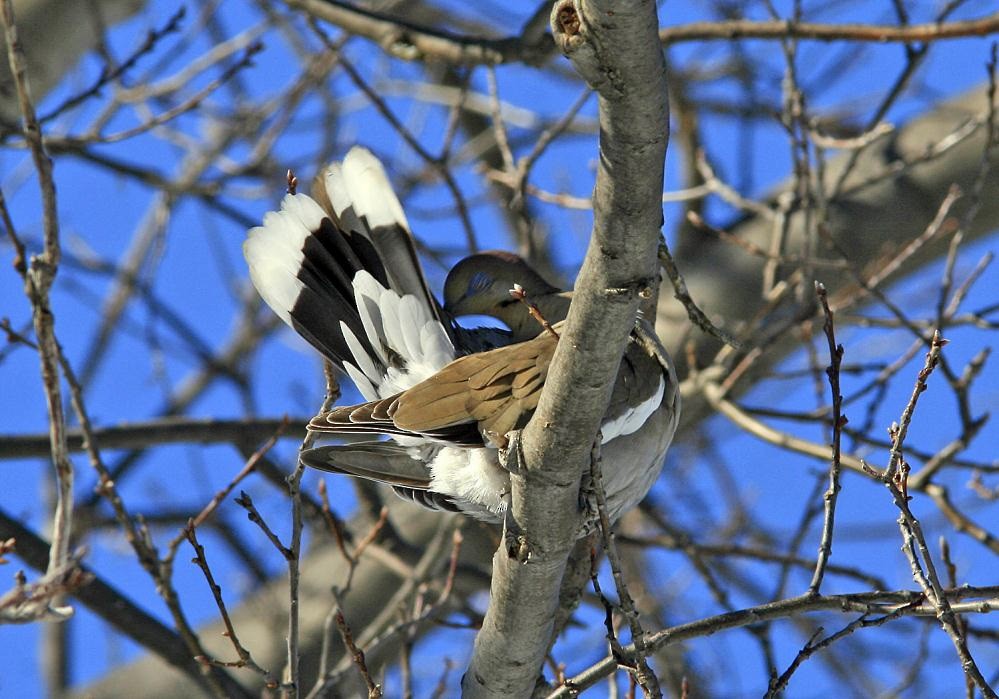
<point>341,268</point>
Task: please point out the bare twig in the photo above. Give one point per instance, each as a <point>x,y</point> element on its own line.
<point>167,430</point>
<point>644,675</point>
<point>518,293</point>
<point>911,601</point>
<point>915,547</point>
<point>694,313</point>
<point>246,502</point>
<point>815,644</point>
<point>245,659</point>
<point>110,74</point>
<point>796,29</point>
<point>38,601</point>
<point>839,421</point>
<point>38,279</point>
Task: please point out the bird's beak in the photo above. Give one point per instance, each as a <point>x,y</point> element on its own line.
<point>456,308</point>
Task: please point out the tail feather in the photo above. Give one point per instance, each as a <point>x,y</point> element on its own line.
<point>382,462</point>
<point>367,294</point>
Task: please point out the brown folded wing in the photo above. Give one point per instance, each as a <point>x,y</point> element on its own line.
<point>489,393</point>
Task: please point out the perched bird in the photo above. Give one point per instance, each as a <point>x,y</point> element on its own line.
<point>341,269</point>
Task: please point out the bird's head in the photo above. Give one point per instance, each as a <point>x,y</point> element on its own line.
<point>480,285</point>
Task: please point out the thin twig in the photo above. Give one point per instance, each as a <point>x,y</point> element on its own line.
<point>357,655</point>
<point>913,603</point>
<point>915,546</point>
<point>108,74</point>
<point>644,675</point>
<point>680,292</point>
<point>518,293</point>
<point>38,279</point>
<point>246,502</point>
<point>795,29</point>
<point>838,422</point>
<point>245,659</point>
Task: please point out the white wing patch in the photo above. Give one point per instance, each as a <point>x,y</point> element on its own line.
<point>409,309</point>
<point>364,386</point>
<point>632,419</point>
<point>368,188</point>
<point>436,345</point>
<point>396,327</point>
<point>336,190</point>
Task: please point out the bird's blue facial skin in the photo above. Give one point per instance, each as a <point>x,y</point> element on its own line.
<point>479,282</point>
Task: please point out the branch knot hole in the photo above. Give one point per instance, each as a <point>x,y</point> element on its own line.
<point>567,18</point>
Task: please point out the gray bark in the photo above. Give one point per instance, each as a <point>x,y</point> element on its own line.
<point>619,264</point>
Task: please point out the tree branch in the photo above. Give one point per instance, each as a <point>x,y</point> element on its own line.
<point>881,33</point>
<point>411,41</point>
<point>116,608</point>
<point>167,430</point>
<point>861,603</point>
<point>620,263</point>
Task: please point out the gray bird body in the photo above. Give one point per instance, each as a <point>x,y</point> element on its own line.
<point>341,269</point>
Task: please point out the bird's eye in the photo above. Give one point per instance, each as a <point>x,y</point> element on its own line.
<point>480,281</point>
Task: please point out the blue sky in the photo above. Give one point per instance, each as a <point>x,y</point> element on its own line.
<point>198,273</point>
